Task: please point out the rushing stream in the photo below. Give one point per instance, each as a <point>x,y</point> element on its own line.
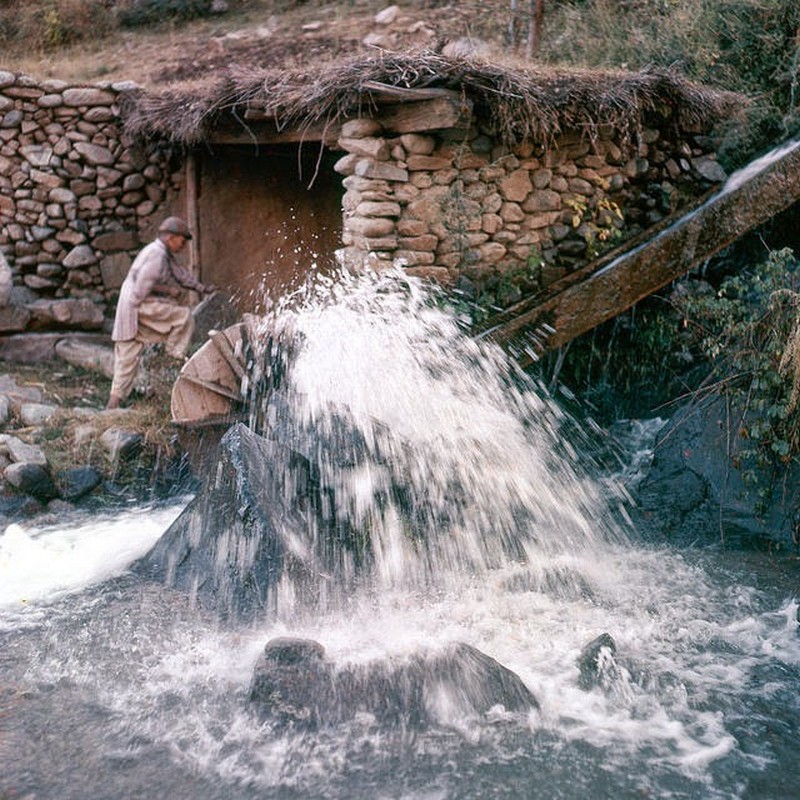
<point>115,687</point>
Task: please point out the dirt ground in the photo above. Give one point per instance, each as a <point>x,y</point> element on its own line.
<point>301,36</point>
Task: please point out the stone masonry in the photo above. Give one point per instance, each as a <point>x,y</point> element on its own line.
<point>75,198</point>
<point>77,201</point>
<point>493,222</point>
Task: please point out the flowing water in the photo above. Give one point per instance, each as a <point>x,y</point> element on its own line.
<point>116,687</point>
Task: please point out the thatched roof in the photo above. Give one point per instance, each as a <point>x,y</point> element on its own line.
<point>523,104</point>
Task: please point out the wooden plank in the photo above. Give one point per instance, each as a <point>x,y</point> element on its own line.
<point>426,115</point>
<point>446,110</point>
<point>384,92</point>
<point>192,212</point>
<point>259,129</point>
<point>227,352</point>
<point>215,388</point>
<point>207,385</point>
<point>190,402</point>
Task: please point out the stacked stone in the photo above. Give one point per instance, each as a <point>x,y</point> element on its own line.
<point>457,207</point>
<point>73,197</point>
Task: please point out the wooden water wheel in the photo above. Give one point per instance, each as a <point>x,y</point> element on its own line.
<point>209,385</point>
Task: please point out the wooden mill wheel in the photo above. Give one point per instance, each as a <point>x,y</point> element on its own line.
<point>210,383</point>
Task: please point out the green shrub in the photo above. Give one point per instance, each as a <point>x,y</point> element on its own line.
<point>750,330</point>
<point>626,367</point>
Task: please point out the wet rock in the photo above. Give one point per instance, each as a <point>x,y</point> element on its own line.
<point>594,661</point>
<point>32,479</point>
<point>77,482</point>
<point>294,684</point>
<point>18,506</point>
<point>121,444</point>
<point>694,490</point>
<point>244,498</point>
<point>274,510</point>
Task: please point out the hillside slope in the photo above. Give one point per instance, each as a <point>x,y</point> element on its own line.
<point>300,34</point>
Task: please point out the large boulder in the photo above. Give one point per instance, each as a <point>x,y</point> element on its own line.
<point>295,685</point>
<point>696,488</point>
<point>263,513</point>
<point>280,505</point>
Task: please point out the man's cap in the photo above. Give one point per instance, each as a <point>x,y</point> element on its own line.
<point>175,225</point>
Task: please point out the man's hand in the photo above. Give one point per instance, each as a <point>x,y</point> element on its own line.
<point>209,288</point>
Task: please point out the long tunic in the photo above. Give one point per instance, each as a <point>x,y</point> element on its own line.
<point>155,265</point>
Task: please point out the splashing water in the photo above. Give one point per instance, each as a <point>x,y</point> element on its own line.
<point>488,524</point>
<point>440,460</point>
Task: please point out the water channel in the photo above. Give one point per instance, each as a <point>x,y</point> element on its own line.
<point>113,687</point>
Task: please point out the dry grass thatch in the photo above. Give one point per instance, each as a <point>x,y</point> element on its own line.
<point>531,104</point>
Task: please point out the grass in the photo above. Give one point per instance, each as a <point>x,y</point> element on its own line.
<point>71,438</point>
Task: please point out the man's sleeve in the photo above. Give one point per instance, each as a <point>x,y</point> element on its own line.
<point>186,279</point>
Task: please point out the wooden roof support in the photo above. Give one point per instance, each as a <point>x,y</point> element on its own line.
<point>398,110</point>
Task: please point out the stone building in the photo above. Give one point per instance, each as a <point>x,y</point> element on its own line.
<point>493,181</point>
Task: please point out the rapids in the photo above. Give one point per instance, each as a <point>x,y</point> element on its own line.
<point>520,544</point>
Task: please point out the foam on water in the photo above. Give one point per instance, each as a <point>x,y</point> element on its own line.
<point>43,564</point>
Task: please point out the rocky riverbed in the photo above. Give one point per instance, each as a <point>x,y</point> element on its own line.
<point>60,450</point>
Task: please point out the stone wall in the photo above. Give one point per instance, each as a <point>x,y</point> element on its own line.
<point>76,202</point>
<point>496,222</point>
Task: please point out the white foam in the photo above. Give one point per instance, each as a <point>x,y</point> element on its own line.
<point>42,564</point>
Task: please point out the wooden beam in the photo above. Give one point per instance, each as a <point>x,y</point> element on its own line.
<point>426,115</point>
<point>259,129</point>
<point>193,211</point>
<point>384,92</point>
<point>443,109</point>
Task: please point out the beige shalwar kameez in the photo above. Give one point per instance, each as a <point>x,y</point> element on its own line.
<point>146,314</point>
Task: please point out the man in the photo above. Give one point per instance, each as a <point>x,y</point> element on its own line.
<point>149,309</point>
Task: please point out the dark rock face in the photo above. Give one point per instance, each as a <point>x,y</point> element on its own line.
<point>293,684</point>
<point>77,482</point>
<point>32,479</point>
<point>229,545</point>
<point>264,512</point>
<point>595,660</point>
<point>695,490</point>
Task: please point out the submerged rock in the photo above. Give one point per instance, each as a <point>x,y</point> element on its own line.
<point>293,684</point>
<point>596,661</point>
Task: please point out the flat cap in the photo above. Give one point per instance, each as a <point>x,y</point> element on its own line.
<point>175,225</point>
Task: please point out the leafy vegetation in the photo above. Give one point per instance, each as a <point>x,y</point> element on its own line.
<point>750,332</point>
<point>631,366</point>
